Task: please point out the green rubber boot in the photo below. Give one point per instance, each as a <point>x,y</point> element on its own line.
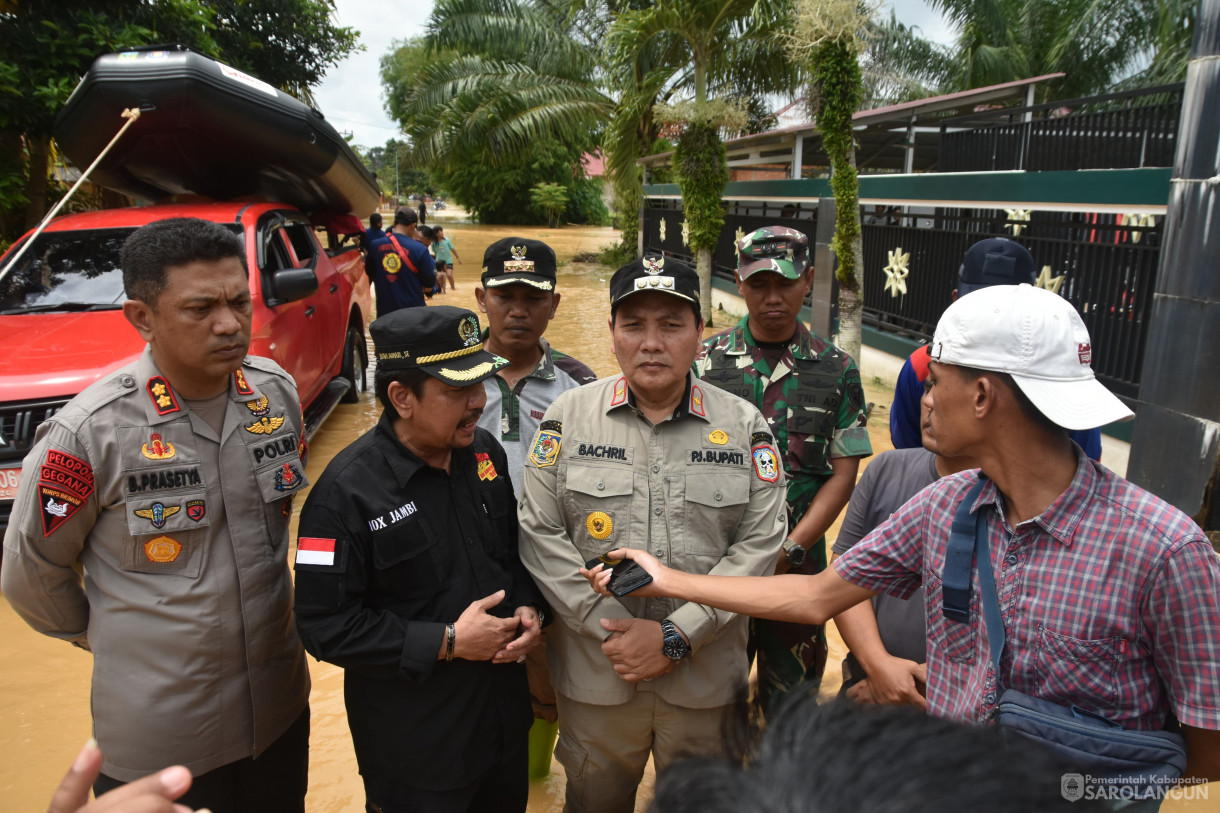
<point>542,744</point>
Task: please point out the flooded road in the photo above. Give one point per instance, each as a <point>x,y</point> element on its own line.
<point>44,686</point>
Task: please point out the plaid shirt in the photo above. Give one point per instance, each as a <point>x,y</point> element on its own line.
<point>1110,600</point>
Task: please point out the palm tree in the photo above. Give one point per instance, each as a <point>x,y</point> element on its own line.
<point>717,47</point>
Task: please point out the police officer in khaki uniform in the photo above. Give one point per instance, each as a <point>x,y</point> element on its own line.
<point>652,460</point>
<point>171,483</point>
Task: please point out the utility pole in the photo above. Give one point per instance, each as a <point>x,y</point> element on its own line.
<point>1175,444</point>
<point>396,172</point>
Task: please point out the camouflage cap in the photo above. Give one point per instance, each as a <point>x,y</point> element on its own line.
<point>773,248</point>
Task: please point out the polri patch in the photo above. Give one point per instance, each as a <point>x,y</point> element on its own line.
<point>288,478</point>
<point>239,383</point>
<point>162,395</point>
<point>487,469</point>
<point>162,549</point>
<point>157,449</point>
<point>157,513</point>
<point>766,463</point>
<point>545,451</point>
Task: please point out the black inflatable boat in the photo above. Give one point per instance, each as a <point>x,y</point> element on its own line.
<point>208,129</point>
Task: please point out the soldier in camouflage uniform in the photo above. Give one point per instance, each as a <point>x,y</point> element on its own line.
<point>809,391</point>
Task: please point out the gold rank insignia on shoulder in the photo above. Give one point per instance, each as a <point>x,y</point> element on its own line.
<point>239,383</point>
<point>620,392</point>
<point>265,426</point>
<point>162,395</point>
<point>599,525</point>
<point>719,437</point>
<point>259,407</point>
<point>696,401</point>
<point>162,549</point>
<point>157,449</point>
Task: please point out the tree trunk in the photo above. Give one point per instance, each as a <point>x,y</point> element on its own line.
<point>851,311</point>
<point>703,265</point>
<point>36,182</point>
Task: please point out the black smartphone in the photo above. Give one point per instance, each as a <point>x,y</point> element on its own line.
<point>625,576</point>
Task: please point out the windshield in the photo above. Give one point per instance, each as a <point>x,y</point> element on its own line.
<point>76,270</point>
<point>67,271</point>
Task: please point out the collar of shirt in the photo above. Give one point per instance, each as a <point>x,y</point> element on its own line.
<point>693,401</point>
<point>545,371</point>
<point>402,461</point>
<point>162,403</point>
<point>1062,517</point>
<point>741,341</point>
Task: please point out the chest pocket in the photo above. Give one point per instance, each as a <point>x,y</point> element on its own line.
<point>409,561</point>
<point>599,498</point>
<point>730,379</point>
<point>955,640</point>
<point>713,504</point>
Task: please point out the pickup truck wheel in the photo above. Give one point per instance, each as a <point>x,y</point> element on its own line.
<point>354,364</point>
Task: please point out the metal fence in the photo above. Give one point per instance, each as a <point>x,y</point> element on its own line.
<point>1104,264</point>
<point>1116,131</point>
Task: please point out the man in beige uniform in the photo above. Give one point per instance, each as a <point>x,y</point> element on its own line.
<point>651,460</point>
<point>171,482</point>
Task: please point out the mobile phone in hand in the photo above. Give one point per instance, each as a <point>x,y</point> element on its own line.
<point>625,576</point>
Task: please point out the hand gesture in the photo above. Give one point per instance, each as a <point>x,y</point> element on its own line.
<point>599,577</point>
<point>634,649</point>
<point>529,632</point>
<point>152,794</point>
<point>898,682</point>
<point>479,636</point>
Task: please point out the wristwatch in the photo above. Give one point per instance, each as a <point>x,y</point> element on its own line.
<point>673,645</point>
<point>794,554</point>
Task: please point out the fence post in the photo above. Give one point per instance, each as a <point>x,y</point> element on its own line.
<point>823,305</point>
<point>1175,445</point>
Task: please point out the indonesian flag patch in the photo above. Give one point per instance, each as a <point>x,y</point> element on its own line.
<point>313,551</point>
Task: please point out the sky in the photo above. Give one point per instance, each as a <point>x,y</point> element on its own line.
<point>350,96</point>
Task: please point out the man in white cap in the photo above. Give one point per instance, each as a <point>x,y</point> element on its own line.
<point>1110,597</point>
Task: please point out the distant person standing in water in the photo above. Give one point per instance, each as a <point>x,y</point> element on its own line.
<point>423,210</point>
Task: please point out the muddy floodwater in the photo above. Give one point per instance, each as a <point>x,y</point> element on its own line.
<point>44,683</point>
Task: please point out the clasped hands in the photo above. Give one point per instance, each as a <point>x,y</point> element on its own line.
<point>480,636</point>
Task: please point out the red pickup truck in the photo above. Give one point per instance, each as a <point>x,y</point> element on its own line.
<point>62,324</point>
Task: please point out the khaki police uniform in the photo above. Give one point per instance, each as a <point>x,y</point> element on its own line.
<point>702,491</point>
<point>186,600</point>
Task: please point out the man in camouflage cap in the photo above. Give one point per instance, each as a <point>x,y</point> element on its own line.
<point>809,391</point>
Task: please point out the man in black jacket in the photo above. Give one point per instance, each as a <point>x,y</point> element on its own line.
<point>407,576</point>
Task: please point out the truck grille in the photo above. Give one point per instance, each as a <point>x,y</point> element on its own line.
<point>18,421</point>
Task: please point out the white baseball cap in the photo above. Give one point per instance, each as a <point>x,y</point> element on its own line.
<point>1039,339</point>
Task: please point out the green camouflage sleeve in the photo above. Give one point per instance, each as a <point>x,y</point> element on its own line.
<point>851,427</point>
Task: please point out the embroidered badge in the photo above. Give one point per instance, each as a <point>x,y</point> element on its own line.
<point>65,483</point>
<point>653,265</point>
<point>487,469</point>
<point>719,437</point>
<point>620,392</point>
<point>157,449</point>
<point>158,513</point>
<point>260,407</point>
<point>265,426</point>
<point>163,398</point>
<point>518,263</point>
<point>239,382</point>
<point>162,550</point>
<point>195,509</point>
<point>766,464</point>
<point>552,426</point>
<point>1084,351</point>
<point>759,437</point>
<point>287,478</point>
<point>546,448</point>
<point>696,401</point>
<point>468,331</point>
<point>314,551</point>
<point>599,525</point>
<point>391,263</point>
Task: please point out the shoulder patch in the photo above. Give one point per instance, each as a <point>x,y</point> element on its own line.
<point>65,482</point>
<point>552,426</point>
<point>162,395</point>
<point>545,450</point>
<point>766,462</point>
<point>760,437</point>
<point>315,551</point>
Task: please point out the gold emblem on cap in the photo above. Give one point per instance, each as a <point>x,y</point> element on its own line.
<point>599,525</point>
<point>719,437</point>
<point>518,252</point>
<point>467,375</point>
<point>653,265</point>
<point>468,330</point>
